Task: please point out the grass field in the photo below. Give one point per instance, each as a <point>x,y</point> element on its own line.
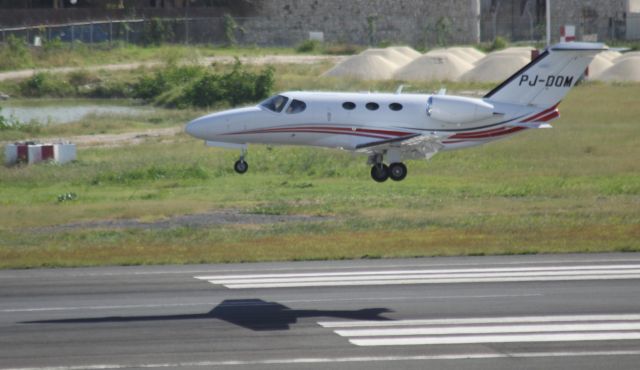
<point>575,188</point>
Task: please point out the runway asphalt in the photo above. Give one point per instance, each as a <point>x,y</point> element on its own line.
<point>524,312</point>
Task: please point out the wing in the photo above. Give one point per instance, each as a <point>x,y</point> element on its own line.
<point>412,146</point>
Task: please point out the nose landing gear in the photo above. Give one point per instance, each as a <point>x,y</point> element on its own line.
<point>241,166</point>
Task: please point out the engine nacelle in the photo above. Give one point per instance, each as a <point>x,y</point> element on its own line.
<point>455,109</point>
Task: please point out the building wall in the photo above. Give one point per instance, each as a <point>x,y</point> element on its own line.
<point>415,22</point>
<point>606,18</point>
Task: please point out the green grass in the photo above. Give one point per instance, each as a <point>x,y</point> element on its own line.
<point>85,55</point>
<point>574,188</point>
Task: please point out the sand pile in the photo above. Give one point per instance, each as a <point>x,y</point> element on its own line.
<point>434,66</point>
<point>626,68</point>
<point>410,52</point>
<point>610,55</point>
<point>496,67</point>
<point>599,64</point>
<point>391,55</point>
<point>633,54</point>
<point>365,67</point>
<point>524,51</point>
<point>467,54</point>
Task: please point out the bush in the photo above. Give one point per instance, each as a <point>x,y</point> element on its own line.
<point>236,87</point>
<point>15,54</point>
<point>151,86</point>
<point>156,31</point>
<point>111,89</point>
<point>341,49</point>
<point>499,43</point>
<point>182,86</point>
<point>80,78</point>
<point>308,46</point>
<point>44,84</point>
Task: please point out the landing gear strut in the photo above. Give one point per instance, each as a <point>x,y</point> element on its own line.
<point>241,166</point>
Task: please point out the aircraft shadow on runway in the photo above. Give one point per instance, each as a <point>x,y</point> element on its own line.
<point>254,314</point>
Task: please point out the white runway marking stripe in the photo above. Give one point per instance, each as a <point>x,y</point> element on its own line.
<point>528,338</point>
<point>426,276</point>
<point>501,329</point>
<point>481,320</point>
<point>561,328</point>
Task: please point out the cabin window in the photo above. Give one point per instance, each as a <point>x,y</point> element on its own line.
<point>275,103</point>
<point>372,106</point>
<point>395,106</point>
<point>296,106</point>
<point>349,105</point>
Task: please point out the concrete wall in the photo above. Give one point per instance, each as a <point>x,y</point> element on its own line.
<point>606,18</point>
<point>525,19</point>
<point>415,22</point>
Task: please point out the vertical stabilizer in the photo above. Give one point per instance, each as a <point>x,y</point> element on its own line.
<point>548,78</point>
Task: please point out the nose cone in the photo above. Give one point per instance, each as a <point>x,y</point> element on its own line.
<point>212,126</point>
<point>197,127</point>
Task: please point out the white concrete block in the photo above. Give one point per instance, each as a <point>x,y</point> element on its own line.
<point>35,153</point>
<point>10,154</point>
<point>64,152</point>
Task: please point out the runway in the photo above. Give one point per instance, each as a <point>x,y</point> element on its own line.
<point>525,312</point>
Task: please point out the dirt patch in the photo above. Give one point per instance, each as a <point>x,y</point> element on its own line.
<point>258,60</point>
<point>213,218</point>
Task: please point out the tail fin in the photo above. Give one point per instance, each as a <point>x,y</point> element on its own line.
<point>548,78</point>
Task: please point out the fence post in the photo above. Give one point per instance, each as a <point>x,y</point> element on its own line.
<point>91,33</point>
<point>186,26</point>
<point>73,36</point>
<point>110,32</point>
<point>126,32</point>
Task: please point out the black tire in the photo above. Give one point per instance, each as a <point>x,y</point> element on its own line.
<point>241,166</point>
<point>397,171</point>
<point>380,172</point>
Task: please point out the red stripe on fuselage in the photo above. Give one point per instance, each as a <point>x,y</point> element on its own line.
<point>544,112</point>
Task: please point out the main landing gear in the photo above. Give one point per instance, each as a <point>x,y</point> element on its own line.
<point>241,166</point>
<point>380,172</point>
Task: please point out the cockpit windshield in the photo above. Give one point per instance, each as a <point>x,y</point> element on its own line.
<point>275,103</point>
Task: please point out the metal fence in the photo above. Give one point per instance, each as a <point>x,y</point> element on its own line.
<point>262,31</point>
<point>135,31</point>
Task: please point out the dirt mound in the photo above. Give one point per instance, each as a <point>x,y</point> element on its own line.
<point>365,67</point>
<point>610,55</point>
<point>624,70</point>
<point>407,51</point>
<point>496,67</point>
<point>467,54</point>
<point>524,51</point>
<point>623,56</point>
<point>434,66</point>
<point>391,55</point>
<point>599,64</point>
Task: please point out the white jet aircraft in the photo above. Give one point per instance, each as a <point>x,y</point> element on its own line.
<point>391,128</point>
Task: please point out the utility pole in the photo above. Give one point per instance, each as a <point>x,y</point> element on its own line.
<point>548,11</point>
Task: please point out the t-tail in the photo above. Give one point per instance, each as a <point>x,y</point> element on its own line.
<point>549,77</point>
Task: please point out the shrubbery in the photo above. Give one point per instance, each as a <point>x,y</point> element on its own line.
<point>308,46</point>
<point>196,86</point>
<point>14,54</point>
<point>43,84</point>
